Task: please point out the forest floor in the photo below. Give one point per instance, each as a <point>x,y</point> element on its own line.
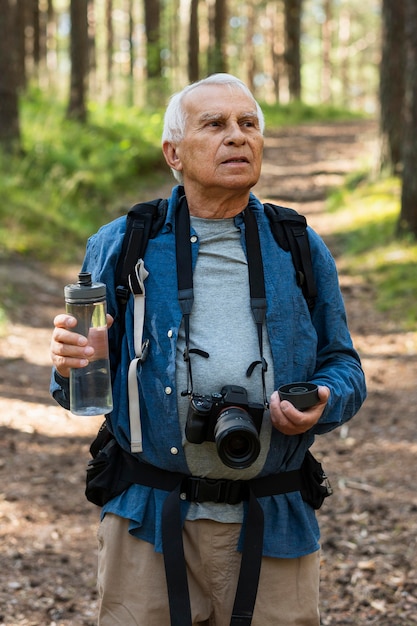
<point>369,525</point>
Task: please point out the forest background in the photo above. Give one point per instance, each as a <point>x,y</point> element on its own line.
<point>83,86</point>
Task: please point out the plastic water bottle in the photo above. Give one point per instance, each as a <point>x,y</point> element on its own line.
<point>90,387</point>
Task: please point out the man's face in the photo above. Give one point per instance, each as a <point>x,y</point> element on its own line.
<point>222,146</point>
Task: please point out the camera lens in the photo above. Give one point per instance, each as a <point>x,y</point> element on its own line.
<point>236,438</point>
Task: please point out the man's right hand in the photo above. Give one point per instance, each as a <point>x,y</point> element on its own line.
<point>68,349</point>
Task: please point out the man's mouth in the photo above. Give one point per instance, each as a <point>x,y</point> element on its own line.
<point>237,160</point>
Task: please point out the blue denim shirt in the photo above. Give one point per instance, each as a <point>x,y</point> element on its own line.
<point>313,347</point>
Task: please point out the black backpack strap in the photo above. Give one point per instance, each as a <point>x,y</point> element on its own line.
<point>143,222</point>
<point>290,231</point>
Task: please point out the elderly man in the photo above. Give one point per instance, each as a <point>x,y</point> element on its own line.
<point>212,362</point>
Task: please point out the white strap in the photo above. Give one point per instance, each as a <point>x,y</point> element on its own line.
<point>137,287</point>
<point>134,408</point>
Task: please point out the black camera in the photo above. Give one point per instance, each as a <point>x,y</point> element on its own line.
<point>231,421</point>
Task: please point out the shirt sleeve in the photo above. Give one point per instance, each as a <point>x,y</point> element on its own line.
<point>338,364</point>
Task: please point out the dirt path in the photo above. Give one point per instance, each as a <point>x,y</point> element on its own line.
<point>369,526</point>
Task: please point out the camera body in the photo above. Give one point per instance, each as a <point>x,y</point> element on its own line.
<point>228,419</point>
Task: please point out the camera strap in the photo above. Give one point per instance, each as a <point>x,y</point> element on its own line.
<point>174,559</point>
<point>185,283</point>
<point>256,289</point>
<point>184,278</point>
<point>185,286</point>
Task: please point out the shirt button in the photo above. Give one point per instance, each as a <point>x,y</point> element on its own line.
<point>174,450</point>
<point>170,333</point>
<point>183,496</point>
<point>168,390</point>
<point>194,239</point>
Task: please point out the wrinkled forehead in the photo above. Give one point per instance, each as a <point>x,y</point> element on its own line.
<point>209,99</point>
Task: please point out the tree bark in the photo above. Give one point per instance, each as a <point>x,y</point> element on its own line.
<point>217,61</point>
<point>153,38</point>
<point>20,43</point>
<point>9,107</point>
<point>293,10</point>
<point>193,44</point>
<point>391,87</point>
<point>408,214</point>
<point>79,60</point>
<point>109,47</point>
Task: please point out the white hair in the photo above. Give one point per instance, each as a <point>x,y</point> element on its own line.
<point>175,116</point>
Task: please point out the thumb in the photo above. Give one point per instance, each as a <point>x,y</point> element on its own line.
<point>324,394</point>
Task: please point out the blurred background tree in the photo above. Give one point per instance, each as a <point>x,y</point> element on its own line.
<point>392,83</point>
<point>292,56</point>
<point>353,54</point>
<point>79,60</point>
<point>408,215</point>
<point>9,113</point>
<point>313,50</point>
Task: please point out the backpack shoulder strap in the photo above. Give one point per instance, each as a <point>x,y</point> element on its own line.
<point>143,222</point>
<point>290,231</point>
<point>145,219</point>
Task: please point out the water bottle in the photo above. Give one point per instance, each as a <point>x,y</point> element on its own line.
<point>90,387</point>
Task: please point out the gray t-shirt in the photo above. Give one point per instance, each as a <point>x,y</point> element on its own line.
<point>222,324</point>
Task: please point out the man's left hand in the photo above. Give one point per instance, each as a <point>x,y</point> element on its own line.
<point>289,420</point>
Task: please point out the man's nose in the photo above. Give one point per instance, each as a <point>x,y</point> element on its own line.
<point>234,134</point>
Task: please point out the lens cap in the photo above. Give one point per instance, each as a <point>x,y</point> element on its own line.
<point>301,395</point>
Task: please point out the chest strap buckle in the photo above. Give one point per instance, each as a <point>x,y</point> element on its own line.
<point>214,490</point>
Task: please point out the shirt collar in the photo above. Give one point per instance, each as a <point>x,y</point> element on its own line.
<point>177,194</point>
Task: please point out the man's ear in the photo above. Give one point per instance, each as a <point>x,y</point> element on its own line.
<point>171,155</point>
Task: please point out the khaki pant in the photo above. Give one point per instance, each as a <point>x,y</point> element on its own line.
<point>132,586</point>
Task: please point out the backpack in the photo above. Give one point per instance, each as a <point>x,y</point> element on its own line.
<point>111,470</point>
<point>145,219</point>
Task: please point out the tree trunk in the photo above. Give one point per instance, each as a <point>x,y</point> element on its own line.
<point>9,109</point>
<point>36,32</point>
<point>51,43</point>
<point>91,38</point>
<point>326,74</point>
<point>153,38</point>
<point>109,47</point>
<point>79,60</point>
<point>408,214</point>
<point>343,52</point>
<point>193,44</point>
<point>293,9</point>
<point>276,45</point>
<point>391,87</point>
<point>249,46</point>
<point>131,29</point>
<point>21,21</point>
<point>40,24</point>
<point>130,36</point>
<point>217,61</point>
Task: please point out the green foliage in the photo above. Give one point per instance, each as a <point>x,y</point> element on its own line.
<point>71,178</point>
<point>298,112</point>
<point>365,214</point>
